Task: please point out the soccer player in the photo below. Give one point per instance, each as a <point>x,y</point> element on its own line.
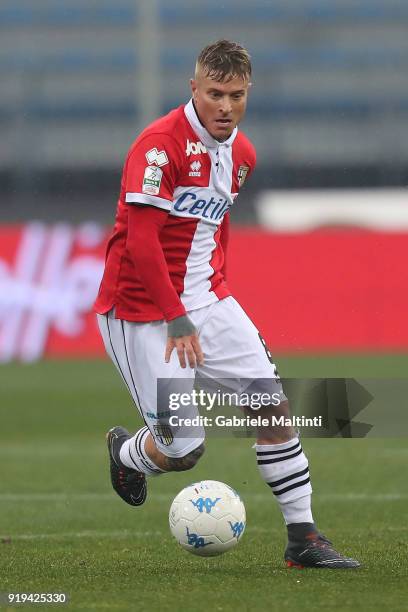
<point>164,308</point>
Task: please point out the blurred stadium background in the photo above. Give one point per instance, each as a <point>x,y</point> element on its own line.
<point>321,223</point>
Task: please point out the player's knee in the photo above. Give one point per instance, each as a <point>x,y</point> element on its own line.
<point>182,464</point>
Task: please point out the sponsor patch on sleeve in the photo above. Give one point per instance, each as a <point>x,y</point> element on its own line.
<point>152,180</point>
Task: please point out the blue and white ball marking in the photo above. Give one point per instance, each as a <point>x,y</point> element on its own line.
<point>207,518</point>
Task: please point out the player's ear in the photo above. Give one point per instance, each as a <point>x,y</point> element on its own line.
<point>193,85</point>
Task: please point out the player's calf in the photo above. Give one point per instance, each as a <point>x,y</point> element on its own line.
<point>274,432</point>
<point>140,452</point>
<point>182,464</point>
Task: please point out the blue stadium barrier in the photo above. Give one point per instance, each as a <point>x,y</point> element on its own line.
<point>69,14</point>
<point>171,13</point>
<point>215,12</point>
<point>319,56</point>
<point>126,59</point>
<point>70,61</point>
<point>89,109</point>
<point>348,107</point>
<point>82,109</point>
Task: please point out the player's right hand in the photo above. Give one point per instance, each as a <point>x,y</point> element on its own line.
<point>185,346</point>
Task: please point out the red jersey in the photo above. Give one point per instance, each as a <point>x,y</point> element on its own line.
<point>175,165</point>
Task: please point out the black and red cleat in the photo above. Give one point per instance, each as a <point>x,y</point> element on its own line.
<point>129,484</point>
<point>316,551</point>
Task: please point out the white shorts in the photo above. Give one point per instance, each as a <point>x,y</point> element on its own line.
<point>234,352</point>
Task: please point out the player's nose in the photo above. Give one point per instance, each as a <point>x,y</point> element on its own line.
<point>226,107</point>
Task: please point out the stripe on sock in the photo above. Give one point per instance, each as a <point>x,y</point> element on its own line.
<point>285,470</point>
<point>278,459</point>
<point>281,481</point>
<point>131,459</point>
<point>278,452</point>
<point>301,483</point>
<point>138,455</point>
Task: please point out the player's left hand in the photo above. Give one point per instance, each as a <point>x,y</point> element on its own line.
<point>186,346</point>
<point>182,336</point>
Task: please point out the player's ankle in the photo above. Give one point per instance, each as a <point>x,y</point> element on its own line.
<point>298,532</point>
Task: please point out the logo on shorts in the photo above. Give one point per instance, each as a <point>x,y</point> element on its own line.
<point>195,168</point>
<point>164,414</point>
<point>242,174</point>
<point>164,434</point>
<point>152,180</point>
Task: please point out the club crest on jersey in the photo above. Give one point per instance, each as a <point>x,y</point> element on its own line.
<point>152,180</point>
<point>195,168</point>
<point>195,148</point>
<point>242,174</point>
<point>157,157</point>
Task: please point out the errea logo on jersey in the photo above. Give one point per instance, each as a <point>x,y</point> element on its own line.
<point>195,168</point>
<point>157,157</point>
<point>195,148</point>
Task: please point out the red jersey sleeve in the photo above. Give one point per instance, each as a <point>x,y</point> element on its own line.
<point>152,170</point>
<point>143,244</point>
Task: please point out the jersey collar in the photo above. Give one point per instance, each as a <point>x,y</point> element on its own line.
<point>199,129</point>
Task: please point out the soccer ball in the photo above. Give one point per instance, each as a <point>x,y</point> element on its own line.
<point>207,518</point>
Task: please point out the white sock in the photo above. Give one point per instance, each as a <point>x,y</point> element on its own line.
<point>133,454</point>
<point>285,469</point>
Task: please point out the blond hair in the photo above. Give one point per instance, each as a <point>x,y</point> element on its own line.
<point>225,60</point>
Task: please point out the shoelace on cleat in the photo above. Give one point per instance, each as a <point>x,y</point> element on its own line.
<point>318,538</point>
<point>320,547</point>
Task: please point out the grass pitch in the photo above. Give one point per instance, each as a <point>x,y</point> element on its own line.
<point>63,529</point>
